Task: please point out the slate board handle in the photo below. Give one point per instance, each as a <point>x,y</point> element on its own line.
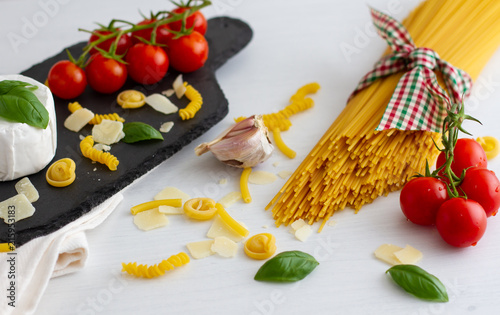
<point>232,36</point>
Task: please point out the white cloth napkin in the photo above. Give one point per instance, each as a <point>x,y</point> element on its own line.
<point>36,262</point>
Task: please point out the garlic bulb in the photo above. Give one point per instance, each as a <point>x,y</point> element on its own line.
<point>245,144</point>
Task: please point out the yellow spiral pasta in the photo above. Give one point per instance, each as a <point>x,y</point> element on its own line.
<point>88,151</point>
<point>99,117</point>
<point>157,270</point>
<point>301,93</point>
<point>194,105</point>
<point>74,106</point>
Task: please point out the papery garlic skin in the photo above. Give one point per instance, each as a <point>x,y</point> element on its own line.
<point>244,144</point>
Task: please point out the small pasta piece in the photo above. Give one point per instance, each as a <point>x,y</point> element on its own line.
<point>232,223</point>
<point>98,118</point>
<point>194,105</point>
<point>74,106</point>
<point>155,204</point>
<point>245,192</point>
<point>61,173</point>
<point>131,99</point>
<point>490,145</point>
<point>7,247</point>
<point>106,158</point>
<point>200,208</point>
<point>310,88</point>
<point>145,271</point>
<point>260,246</point>
<point>281,145</point>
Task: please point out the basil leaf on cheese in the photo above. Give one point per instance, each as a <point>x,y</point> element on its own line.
<point>19,104</point>
<point>138,131</point>
<point>419,282</point>
<point>287,267</point>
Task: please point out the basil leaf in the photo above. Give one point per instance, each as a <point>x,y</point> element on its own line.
<point>138,131</point>
<point>19,104</point>
<point>287,267</point>
<point>419,282</point>
<point>7,85</point>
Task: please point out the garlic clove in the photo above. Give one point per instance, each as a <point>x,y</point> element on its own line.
<point>244,144</point>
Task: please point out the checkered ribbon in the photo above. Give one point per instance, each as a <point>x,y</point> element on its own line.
<point>418,102</point>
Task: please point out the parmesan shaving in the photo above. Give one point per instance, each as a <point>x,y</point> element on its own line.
<point>303,233</point>
<point>179,87</point>
<point>150,219</point>
<point>224,247</point>
<point>172,193</point>
<point>161,104</point>
<point>385,252</point>
<point>24,186</point>
<point>170,210</point>
<point>230,199</point>
<point>78,119</point>
<point>261,178</point>
<point>102,147</point>
<point>200,249</point>
<point>108,132</point>
<point>166,127</point>
<point>408,255</point>
<point>285,174</point>
<point>168,92</point>
<point>16,208</point>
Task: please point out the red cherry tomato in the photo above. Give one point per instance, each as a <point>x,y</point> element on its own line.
<point>105,75</point>
<point>188,53</point>
<point>461,222</point>
<point>421,198</point>
<point>197,19</point>
<point>147,64</point>
<point>483,186</point>
<point>66,80</point>
<point>162,33</point>
<point>124,43</point>
<point>467,153</point>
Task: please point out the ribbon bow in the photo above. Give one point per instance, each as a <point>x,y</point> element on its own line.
<point>418,102</point>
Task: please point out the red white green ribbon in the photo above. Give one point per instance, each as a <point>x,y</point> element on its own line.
<point>418,102</point>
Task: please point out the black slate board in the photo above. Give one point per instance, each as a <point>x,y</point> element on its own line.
<point>94,182</point>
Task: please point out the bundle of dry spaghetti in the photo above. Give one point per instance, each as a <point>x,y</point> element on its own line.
<point>353,164</point>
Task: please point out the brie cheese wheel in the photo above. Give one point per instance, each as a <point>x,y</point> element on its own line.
<point>24,149</point>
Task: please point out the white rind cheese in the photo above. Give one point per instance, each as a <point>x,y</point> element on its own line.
<point>26,149</point>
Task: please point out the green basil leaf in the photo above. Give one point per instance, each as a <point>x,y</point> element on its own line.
<point>419,282</point>
<point>7,85</point>
<point>138,131</point>
<point>19,104</point>
<point>287,267</point>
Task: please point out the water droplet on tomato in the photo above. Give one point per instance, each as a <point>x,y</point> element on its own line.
<point>474,244</point>
<point>498,189</point>
<point>440,188</point>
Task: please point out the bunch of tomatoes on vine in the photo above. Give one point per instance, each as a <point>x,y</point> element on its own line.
<point>460,194</point>
<point>143,51</point>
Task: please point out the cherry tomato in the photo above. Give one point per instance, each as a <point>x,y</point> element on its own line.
<point>467,153</point>
<point>105,75</point>
<point>124,43</point>
<point>196,18</point>
<point>188,53</point>
<point>66,80</point>
<point>461,222</point>
<point>147,64</point>
<point>483,186</point>
<point>162,33</point>
<point>421,198</point>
